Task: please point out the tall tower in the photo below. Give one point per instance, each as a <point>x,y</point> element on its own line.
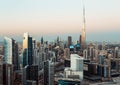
<point>11,52</point>
<point>27,50</point>
<point>69,41</point>
<point>48,73</point>
<point>42,41</point>
<point>83,38</point>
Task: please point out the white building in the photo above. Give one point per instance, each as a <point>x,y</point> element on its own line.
<point>76,62</point>
<point>69,72</point>
<point>76,67</point>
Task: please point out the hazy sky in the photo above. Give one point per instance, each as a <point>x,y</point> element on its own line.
<point>46,17</point>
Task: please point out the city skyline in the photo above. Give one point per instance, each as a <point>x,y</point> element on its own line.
<point>59,42</point>
<point>96,37</point>
<point>61,18</point>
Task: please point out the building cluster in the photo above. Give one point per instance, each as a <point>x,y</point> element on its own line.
<point>102,62</point>
<point>29,63</point>
<point>57,63</point>
<point>36,63</point>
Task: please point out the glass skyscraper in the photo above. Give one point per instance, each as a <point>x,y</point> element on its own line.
<point>11,52</point>
<point>8,50</point>
<point>27,50</point>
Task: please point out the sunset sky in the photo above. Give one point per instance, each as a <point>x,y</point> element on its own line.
<point>60,17</point>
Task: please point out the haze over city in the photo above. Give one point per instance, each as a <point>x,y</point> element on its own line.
<point>60,18</point>
<point>59,42</point>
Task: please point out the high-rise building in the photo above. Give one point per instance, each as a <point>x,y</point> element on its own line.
<point>1,70</point>
<point>91,53</point>
<point>8,50</point>
<point>24,75</point>
<point>42,41</point>
<point>80,39</point>
<point>58,41</point>
<point>77,64</point>
<point>45,73</point>
<point>11,52</point>
<point>116,52</point>
<point>83,37</point>
<point>1,74</point>
<point>67,53</point>
<point>8,74</point>
<point>83,40</point>
<point>48,73</point>
<point>1,50</point>
<point>69,41</point>
<point>35,56</point>
<point>16,55</point>
<point>28,49</point>
<point>85,54</point>
<point>24,54</point>
<point>30,73</point>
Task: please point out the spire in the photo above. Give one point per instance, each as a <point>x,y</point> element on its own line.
<point>84,20</point>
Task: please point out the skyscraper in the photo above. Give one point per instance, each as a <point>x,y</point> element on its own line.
<point>48,73</point>
<point>30,74</point>
<point>58,41</point>
<point>8,50</point>
<point>11,52</point>
<point>80,39</point>
<point>1,70</point>
<point>42,41</point>
<point>67,53</point>
<point>76,62</point>
<point>27,50</point>
<point>24,54</point>
<point>77,65</point>
<point>83,37</point>
<point>69,41</point>
<point>8,74</point>
<point>35,56</point>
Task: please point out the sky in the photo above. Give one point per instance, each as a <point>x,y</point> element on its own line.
<point>51,18</point>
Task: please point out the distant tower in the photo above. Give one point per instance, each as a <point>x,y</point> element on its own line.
<point>58,39</point>
<point>69,41</point>
<point>42,41</point>
<point>80,39</point>
<point>83,38</point>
